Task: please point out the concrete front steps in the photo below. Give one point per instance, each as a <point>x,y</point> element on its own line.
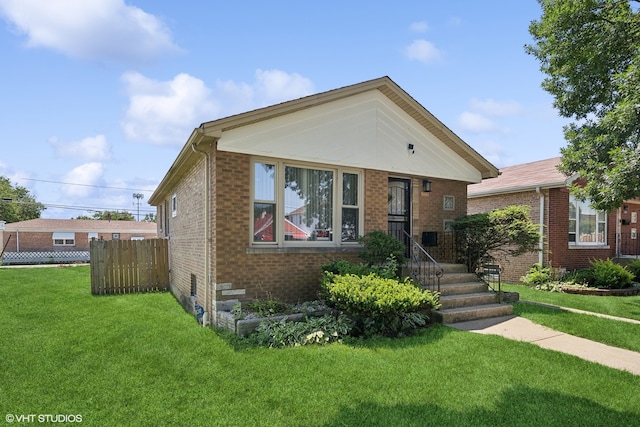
<point>464,297</point>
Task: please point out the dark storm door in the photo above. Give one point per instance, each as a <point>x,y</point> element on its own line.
<point>399,216</point>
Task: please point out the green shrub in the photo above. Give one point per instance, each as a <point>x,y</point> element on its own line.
<point>582,277</point>
<point>537,275</point>
<point>265,308</point>
<point>314,330</point>
<point>389,269</point>
<point>608,274</point>
<point>380,246</point>
<point>634,268</point>
<point>379,305</point>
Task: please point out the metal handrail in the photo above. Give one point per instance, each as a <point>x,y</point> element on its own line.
<point>423,268</point>
<point>490,274</point>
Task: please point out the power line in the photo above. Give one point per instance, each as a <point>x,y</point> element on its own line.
<point>85,185</point>
<point>74,207</point>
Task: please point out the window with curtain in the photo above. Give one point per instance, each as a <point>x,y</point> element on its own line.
<point>294,204</point>
<point>587,226</point>
<point>264,202</point>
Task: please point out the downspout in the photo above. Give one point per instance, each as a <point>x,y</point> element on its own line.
<point>207,250</point>
<point>541,227</point>
<point>618,231</point>
<point>206,316</point>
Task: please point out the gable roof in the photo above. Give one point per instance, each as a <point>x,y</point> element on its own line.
<point>211,132</point>
<point>82,226</point>
<point>524,177</point>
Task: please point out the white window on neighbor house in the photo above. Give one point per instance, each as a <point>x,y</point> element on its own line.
<point>64,239</point>
<point>93,236</point>
<point>174,205</point>
<point>298,205</point>
<point>137,237</point>
<point>587,226</point>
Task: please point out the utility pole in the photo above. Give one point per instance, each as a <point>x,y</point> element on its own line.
<point>138,196</point>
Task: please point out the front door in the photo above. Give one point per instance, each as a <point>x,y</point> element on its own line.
<point>399,216</point>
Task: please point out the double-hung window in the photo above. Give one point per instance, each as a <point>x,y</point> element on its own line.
<point>587,226</point>
<point>301,205</point>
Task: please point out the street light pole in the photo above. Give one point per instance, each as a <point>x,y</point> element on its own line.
<point>138,196</point>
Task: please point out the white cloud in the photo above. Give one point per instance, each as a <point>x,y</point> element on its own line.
<point>474,122</point>
<point>423,51</point>
<point>86,174</point>
<point>479,119</point>
<point>273,86</point>
<point>419,27</point>
<point>90,148</point>
<point>166,112</point>
<point>494,108</point>
<point>94,30</point>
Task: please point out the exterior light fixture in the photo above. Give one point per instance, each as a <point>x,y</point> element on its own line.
<point>426,186</point>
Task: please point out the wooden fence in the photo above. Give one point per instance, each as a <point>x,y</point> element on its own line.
<point>129,266</point>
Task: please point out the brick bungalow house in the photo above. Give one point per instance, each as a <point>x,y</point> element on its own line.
<point>573,232</point>
<point>256,202</point>
<point>51,237</point>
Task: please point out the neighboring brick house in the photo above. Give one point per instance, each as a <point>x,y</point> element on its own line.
<point>573,232</point>
<point>256,202</point>
<point>65,235</point>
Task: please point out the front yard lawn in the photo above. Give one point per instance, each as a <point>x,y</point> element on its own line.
<point>628,307</point>
<point>140,360</point>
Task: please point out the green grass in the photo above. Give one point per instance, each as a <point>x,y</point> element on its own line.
<point>610,332</point>
<point>140,360</point>
<point>628,307</point>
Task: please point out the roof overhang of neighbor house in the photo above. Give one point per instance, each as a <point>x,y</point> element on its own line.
<point>367,125</point>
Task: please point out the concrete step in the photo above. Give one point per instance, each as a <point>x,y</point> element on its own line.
<point>463,314</point>
<point>462,288</point>
<point>468,300</point>
<point>458,278</point>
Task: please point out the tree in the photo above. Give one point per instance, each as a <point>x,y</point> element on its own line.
<point>590,51</point>
<point>480,238</point>
<point>16,203</point>
<point>110,216</point>
<point>150,217</point>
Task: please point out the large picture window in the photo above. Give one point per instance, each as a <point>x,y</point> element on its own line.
<point>586,225</point>
<point>294,204</point>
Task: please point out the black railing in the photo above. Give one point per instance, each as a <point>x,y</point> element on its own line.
<point>490,274</point>
<point>422,267</point>
<point>629,245</point>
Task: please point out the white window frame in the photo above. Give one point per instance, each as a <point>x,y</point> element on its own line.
<point>601,218</point>
<point>174,205</point>
<point>279,238</point>
<point>63,238</point>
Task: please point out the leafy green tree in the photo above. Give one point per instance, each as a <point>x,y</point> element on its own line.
<point>16,203</point>
<point>480,238</point>
<point>110,216</point>
<point>590,52</point>
<point>150,217</point>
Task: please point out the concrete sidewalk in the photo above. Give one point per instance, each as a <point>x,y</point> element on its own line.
<point>521,329</point>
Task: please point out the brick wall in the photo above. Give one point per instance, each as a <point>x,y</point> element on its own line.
<point>42,241</point>
<point>240,271</point>
<point>557,252</point>
<point>186,235</point>
<point>513,268</point>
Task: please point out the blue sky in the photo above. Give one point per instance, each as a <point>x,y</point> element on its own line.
<point>104,93</point>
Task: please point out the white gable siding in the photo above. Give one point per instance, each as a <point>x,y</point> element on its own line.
<point>365,131</point>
